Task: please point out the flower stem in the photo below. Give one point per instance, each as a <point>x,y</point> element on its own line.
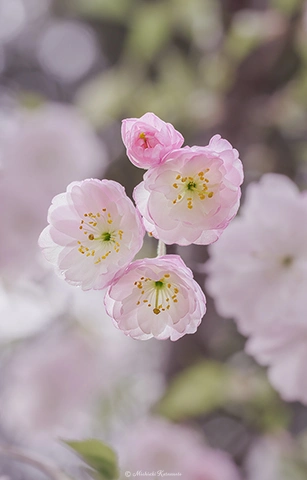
<point>161,250</point>
<point>39,463</point>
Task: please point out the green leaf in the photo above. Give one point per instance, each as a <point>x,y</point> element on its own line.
<point>208,386</point>
<point>98,456</point>
<point>196,391</point>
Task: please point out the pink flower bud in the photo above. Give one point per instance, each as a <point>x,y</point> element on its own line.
<point>148,139</point>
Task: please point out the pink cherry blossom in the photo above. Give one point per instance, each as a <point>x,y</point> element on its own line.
<point>270,455</point>
<point>57,382</point>
<point>156,297</point>
<point>41,151</point>
<point>282,347</point>
<point>25,308</point>
<point>148,139</point>
<point>193,195</point>
<point>258,268</point>
<point>258,276</point>
<point>94,232</point>
<point>154,445</point>
<point>51,385</point>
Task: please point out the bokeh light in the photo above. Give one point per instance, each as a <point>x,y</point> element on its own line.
<point>12,19</point>
<point>67,50</point>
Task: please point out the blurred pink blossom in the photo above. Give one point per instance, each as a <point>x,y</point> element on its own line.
<point>268,457</point>
<point>41,151</point>
<point>30,303</point>
<point>94,232</point>
<point>258,268</point>
<point>282,347</point>
<point>51,385</point>
<point>155,445</point>
<point>156,297</point>
<point>121,357</point>
<point>258,275</point>
<point>79,377</point>
<point>148,139</point>
<point>193,195</point>
<point>26,307</point>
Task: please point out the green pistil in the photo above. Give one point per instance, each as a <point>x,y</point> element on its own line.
<point>106,237</point>
<point>159,284</point>
<point>191,186</point>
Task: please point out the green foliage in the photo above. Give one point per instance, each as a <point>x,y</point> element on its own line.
<point>199,19</point>
<point>293,469</point>
<point>98,456</point>
<point>111,9</point>
<point>168,95</point>
<point>197,390</point>
<point>287,6</point>
<point>208,386</point>
<point>30,100</point>
<point>294,461</point>
<point>105,97</point>
<point>246,33</point>
<point>150,30</point>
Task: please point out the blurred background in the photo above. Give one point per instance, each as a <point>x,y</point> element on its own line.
<point>70,71</point>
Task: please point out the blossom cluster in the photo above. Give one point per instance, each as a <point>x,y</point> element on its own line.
<point>258,276</point>
<point>188,196</point>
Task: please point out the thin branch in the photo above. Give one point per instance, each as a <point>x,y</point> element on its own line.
<point>161,250</point>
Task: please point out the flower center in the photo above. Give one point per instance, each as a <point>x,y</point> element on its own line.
<point>96,227</point>
<point>197,186</point>
<point>106,236</point>
<point>287,261</point>
<point>144,138</point>
<point>191,185</point>
<point>157,295</point>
